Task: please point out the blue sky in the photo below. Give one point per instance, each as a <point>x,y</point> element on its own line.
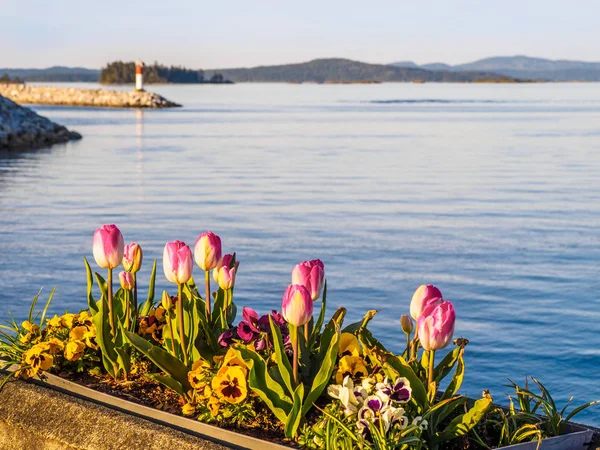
<point>232,33</point>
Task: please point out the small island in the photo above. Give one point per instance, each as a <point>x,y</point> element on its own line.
<point>120,72</point>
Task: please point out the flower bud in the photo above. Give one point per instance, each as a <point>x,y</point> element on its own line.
<point>406,323</point>
<point>297,305</point>
<point>177,262</point>
<point>436,326</point>
<point>132,258</point>
<point>207,250</point>
<point>423,297</point>
<point>108,246</point>
<point>126,279</point>
<point>310,274</point>
<point>166,302</point>
<point>226,277</point>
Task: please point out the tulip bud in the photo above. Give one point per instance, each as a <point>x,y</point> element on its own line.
<point>166,302</point>
<point>406,323</point>
<point>207,250</point>
<point>297,305</point>
<point>132,258</point>
<point>226,277</point>
<point>436,326</point>
<point>126,279</point>
<point>225,261</point>
<point>108,246</point>
<point>424,296</point>
<point>310,274</point>
<point>177,262</point>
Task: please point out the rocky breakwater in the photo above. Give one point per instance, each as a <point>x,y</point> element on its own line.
<point>45,95</point>
<point>22,128</point>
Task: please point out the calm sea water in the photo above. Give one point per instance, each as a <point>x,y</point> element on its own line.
<point>490,192</point>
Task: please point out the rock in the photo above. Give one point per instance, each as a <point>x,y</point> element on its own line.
<point>23,128</point>
<point>45,95</point>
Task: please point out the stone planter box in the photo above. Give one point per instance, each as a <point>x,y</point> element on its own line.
<point>57,414</point>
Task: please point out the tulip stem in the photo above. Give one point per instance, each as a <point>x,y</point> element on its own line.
<point>182,337</point>
<point>431,360</point>
<point>306,332</point>
<point>171,333</point>
<point>295,349</point>
<point>408,346</point>
<point>414,347</point>
<point>126,294</point>
<point>111,311</point>
<point>135,304</point>
<point>207,295</point>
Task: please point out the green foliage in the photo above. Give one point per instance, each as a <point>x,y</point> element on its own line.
<point>120,72</point>
<point>274,385</point>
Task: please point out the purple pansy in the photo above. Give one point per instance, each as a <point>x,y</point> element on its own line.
<point>401,391</point>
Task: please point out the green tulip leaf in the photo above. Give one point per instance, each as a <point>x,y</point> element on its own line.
<point>323,375</point>
<point>316,331</point>
<point>293,420</point>
<point>169,382</point>
<point>445,365</point>
<point>104,338</point>
<point>355,327</point>
<point>457,379</point>
<point>164,360</point>
<point>419,393</point>
<point>462,424</point>
<point>90,284</point>
<point>146,307</point>
<point>283,363</point>
<point>263,385</point>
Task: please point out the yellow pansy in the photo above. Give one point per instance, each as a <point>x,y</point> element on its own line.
<point>196,378</point>
<point>37,359</point>
<point>67,320</point>
<point>230,384</point>
<point>231,359</point>
<point>55,322</point>
<point>350,365</point>
<point>32,331</point>
<point>52,345</point>
<point>349,345</point>
<point>84,319</point>
<point>201,364</point>
<point>78,333</point>
<point>188,409</point>
<point>160,314</point>
<point>214,404</point>
<point>74,350</point>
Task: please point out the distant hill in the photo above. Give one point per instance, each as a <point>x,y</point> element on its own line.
<point>526,67</point>
<point>53,74</point>
<point>337,70</point>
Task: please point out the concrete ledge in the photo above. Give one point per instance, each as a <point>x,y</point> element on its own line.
<point>37,418</point>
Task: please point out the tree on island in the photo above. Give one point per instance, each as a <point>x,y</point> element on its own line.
<point>120,72</point>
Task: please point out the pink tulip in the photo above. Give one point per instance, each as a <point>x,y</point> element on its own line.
<point>207,250</point>
<point>177,262</point>
<point>225,261</point>
<point>436,326</point>
<point>310,274</point>
<point>108,246</point>
<point>132,257</point>
<point>297,305</point>
<point>126,279</point>
<point>424,296</point>
<point>226,278</point>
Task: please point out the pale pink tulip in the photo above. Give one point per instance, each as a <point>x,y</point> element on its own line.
<point>310,274</point>
<point>225,261</point>
<point>226,278</point>
<point>108,246</point>
<point>132,257</point>
<point>126,279</point>
<point>297,305</point>
<point>424,296</point>
<point>436,326</point>
<point>207,250</point>
<point>177,262</point>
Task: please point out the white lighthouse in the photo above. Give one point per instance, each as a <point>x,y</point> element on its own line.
<point>139,77</point>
